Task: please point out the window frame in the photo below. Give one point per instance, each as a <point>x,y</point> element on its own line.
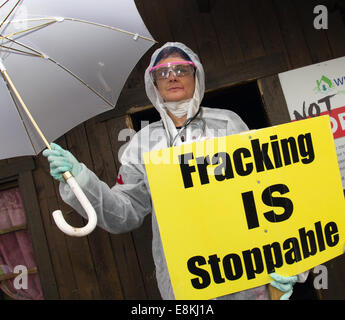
<point>19,174</point>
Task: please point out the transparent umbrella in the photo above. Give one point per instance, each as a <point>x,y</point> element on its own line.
<point>63,62</point>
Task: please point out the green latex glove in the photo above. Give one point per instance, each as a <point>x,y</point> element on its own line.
<point>60,161</point>
<point>284,284</point>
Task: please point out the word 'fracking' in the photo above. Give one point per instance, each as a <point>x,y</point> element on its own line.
<point>263,156</point>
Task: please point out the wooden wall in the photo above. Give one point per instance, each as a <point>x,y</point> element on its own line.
<point>237,41</point>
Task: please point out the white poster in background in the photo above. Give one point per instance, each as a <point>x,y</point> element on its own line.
<point>317,90</point>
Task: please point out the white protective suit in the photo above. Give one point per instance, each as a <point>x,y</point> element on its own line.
<point>123,207</point>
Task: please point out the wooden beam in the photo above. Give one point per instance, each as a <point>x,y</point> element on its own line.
<point>13,229</point>
<point>37,235</point>
<point>55,239</point>
<point>315,39</point>
<point>8,276</point>
<point>273,100</point>
<point>124,248</point>
<point>14,169</point>
<point>292,35</point>
<point>99,240</point>
<point>336,34</point>
<point>83,264</point>
<point>248,71</point>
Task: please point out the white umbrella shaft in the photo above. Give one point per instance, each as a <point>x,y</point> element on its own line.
<point>85,203</point>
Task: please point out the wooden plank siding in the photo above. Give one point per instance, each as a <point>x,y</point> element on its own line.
<point>307,46</point>
<point>237,41</point>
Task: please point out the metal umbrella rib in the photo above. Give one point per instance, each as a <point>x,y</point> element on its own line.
<point>20,51</point>
<point>15,6</point>
<point>61,19</point>
<point>4,3</point>
<point>27,30</point>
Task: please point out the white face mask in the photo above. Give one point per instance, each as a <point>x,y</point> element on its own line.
<point>178,108</point>
<point>185,107</point>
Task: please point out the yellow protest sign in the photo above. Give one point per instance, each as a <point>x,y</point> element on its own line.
<point>231,210</point>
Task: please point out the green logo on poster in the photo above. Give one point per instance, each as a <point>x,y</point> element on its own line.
<point>324,85</point>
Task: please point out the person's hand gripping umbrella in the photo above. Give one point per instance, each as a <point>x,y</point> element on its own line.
<point>66,168</point>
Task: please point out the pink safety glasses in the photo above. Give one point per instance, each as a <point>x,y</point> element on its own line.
<point>178,68</point>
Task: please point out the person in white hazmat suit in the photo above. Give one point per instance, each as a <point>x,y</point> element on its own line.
<point>175,84</point>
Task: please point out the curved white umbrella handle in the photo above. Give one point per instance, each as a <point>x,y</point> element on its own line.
<point>85,203</point>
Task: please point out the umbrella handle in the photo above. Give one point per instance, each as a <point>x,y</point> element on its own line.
<point>85,203</point>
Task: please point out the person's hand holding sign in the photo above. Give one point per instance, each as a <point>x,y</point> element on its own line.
<point>284,284</point>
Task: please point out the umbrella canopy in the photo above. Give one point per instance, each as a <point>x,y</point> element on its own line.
<point>68,60</point>
<point>63,62</point>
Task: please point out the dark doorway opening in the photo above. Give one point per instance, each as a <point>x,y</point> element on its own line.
<point>305,290</point>
<point>143,118</point>
<point>244,99</point>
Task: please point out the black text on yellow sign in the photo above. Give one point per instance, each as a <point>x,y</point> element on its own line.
<point>270,200</point>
